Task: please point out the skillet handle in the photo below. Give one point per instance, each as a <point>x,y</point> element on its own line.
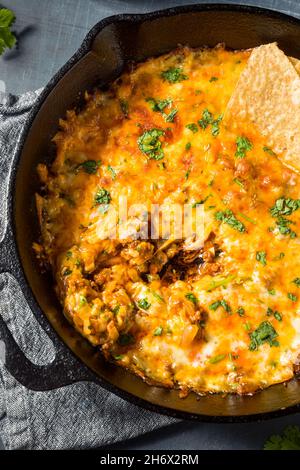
<point>64,370</point>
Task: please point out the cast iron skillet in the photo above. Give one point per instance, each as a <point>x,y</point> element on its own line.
<point>101,58</point>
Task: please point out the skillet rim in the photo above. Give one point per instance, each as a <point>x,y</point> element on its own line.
<point>22,278</point>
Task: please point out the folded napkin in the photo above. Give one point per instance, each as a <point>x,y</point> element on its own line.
<point>82,415</point>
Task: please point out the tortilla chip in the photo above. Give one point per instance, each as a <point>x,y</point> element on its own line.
<point>296,63</point>
<point>268,95</point>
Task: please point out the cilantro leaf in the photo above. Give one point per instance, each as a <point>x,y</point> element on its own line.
<point>112,172</point>
<point>261,256</point>
<point>284,206</point>
<point>190,296</point>
<point>229,218</point>
<point>158,331</point>
<point>144,304</point>
<point>90,166</point>
<point>243,145</point>
<point>220,303</point>
<point>289,440</point>
<point>207,118</point>
<point>192,127</point>
<point>173,75</point>
<point>158,105</point>
<point>265,333</point>
<point>150,144</point>
<point>269,150</point>
<point>215,127</point>
<point>170,117</point>
<point>216,359</point>
<point>102,196</point>
<point>7,38</point>
<point>240,311</point>
<point>292,297</point>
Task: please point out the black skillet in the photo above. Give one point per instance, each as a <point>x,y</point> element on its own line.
<point>101,58</point>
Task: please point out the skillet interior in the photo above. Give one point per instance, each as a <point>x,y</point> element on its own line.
<point>106,50</point>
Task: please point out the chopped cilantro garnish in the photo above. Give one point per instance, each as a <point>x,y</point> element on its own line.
<point>279,257</point>
<point>118,357</point>
<point>239,182</point>
<point>173,75</point>
<point>221,282</point>
<point>69,254</point>
<point>283,226</point>
<point>150,144</point>
<point>190,296</point>
<point>274,313</point>
<point>158,297</point>
<point>188,146</point>
<point>192,127</point>
<point>292,297</point>
<point>207,118</point>
<point>158,331</point>
<point>272,291</point>
<point>82,301</point>
<point>216,359</point>
<point>116,309</point>
<point>158,105</point>
<point>265,333</point>
<point>170,117</point>
<point>214,305</point>
<point>297,281</point>
<point>229,218</point>
<point>243,145</point>
<point>277,315</point>
<point>187,174</point>
<point>247,218</point>
<point>202,201</point>
<point>144,304</point>
<point>215,126</point>
<point>102,196</point>
<point>90,166</point>
<point>220,303</point>
<point>112,172</point>
<point>284,206</point>
<point>213,79</point>
<point>269,151</point>
<point>240,311</point>
<point>261,256</point>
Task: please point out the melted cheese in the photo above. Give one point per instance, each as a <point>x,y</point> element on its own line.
<point>115,291</point>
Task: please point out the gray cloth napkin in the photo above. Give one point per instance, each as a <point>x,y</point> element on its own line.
<point>82,415</point>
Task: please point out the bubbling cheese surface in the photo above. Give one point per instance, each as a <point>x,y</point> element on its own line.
<point>223,318</point>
